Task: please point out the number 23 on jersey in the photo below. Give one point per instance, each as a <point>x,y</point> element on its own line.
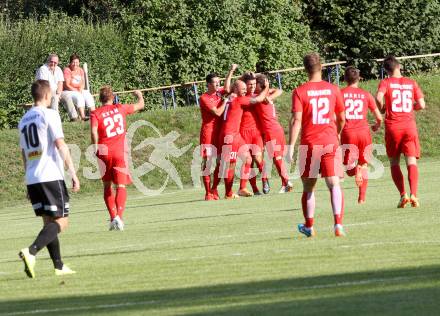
<point>114,125</point>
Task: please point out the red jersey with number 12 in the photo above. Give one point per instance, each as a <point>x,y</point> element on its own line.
<point>357,102</point>
<point>110,120</point>
<point>400,95</point>
<point>318,102</point>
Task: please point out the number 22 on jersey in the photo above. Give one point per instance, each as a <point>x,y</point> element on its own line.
<point>320,109</point>
<point>114,125</point>
<point>353,109</point>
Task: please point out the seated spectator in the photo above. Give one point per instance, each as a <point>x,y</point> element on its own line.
<point>74,82</point>
<point>52,73</point>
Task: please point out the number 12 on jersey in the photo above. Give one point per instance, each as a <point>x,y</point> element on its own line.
<point>320,109</point>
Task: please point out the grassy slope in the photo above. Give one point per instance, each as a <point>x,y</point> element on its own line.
<point>181,255</point>
<point>186,121</point>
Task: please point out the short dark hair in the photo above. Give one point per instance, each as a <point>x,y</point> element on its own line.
<point>73,57</point>
<point>390,63</point>
<point>261,80</point>
<point>211,76</point>
<point>351,75</point>
<point>105,94</point>
<point>248,76</point>
<point>39,89</point>
<point>312,63</point>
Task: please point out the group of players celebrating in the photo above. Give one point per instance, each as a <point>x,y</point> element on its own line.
<point>239,120</point>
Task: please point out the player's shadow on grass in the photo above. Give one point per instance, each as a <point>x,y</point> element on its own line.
<point>406,291</point>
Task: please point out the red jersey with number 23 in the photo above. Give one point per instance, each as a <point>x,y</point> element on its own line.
<point>110,120</point>
<point>357,102</point>
<point>400,95</point>
<point>318,102</point>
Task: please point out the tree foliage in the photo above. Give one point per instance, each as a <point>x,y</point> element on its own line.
<point>363,29</point>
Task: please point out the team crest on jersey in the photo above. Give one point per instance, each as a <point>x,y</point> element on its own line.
<point>33,155</point>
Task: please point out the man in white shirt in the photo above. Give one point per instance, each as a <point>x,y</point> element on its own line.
<point>44,152</point>
<point>51,72</point>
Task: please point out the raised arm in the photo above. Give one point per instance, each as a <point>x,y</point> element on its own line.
<point>262,96</point>
<point>227,85</point>
<point>140,104</point>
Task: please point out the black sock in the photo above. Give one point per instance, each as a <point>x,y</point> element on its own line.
<point>55,254</point>
<point>46,236</point>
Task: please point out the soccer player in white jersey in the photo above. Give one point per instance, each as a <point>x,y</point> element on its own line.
<point>44,151</point>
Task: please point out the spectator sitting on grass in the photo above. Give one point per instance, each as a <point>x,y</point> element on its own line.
<point>74,82</point>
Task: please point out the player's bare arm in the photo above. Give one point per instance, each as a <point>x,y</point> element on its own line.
<point>273,94</point>
<point>65,154</point>
<point>420,104</point>
<point>380,101</point>
<point>294,129</point>
<point>228,78</point>
<point>140,104</point>
<point>94,138</point>
<point>379,120</point>
<point>218,111</point>
<point>340,121</point>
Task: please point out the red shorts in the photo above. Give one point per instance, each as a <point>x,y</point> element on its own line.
<point>209,143</point>
<point>114,169</point>
<point>233,147</point>
<point>275,142</point>
<point>356,146</point>
<point>320,159</point>
<point>402,141</point>
<point>254,139</point>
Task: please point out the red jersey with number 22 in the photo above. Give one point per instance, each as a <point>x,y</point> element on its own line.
<point>318,102</point>
<point>400,95</point>
<point>357,102</point>
<point>110,120</point>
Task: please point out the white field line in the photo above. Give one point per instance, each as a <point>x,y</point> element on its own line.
<point>263,291</point>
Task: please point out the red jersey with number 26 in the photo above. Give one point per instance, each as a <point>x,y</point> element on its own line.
<point>318,102</point>
<point>400,95</point>
<point>357,102</point>
<point>110,120</point>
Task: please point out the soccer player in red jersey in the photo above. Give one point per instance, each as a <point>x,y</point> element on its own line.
<point>108,129</point>
<point>233,144</point>
<point>250,131</point>
<point>212,105</point>
<point>356,132</point>
<point>318,111</point>
<point>273,132</point>
<point>402,97</point>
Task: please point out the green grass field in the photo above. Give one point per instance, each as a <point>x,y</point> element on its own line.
<point>182,255</point>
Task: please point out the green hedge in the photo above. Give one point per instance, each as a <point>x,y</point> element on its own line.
<point>25,44</point>
<point>360,30</point>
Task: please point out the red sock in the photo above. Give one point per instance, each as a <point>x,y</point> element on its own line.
<point>308,207</point>
<point>281,168</point>
<point>397,176</point>
<point>206,183</point>
<point>217,178</point>
<point>363,187</point>
<point>253,182</point>
<point>121,197</point>
<point>229,181</point>
<point>244,176</point>
<point>413,178</point>
<point>109,200</point>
